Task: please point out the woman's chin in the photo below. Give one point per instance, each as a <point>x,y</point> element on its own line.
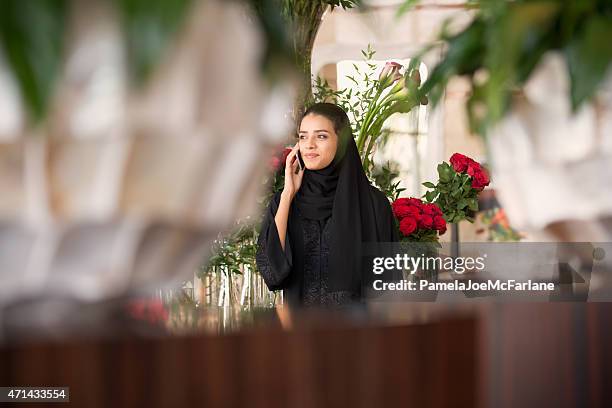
<point>315,166</point>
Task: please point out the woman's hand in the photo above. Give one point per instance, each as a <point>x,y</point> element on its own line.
<point>292,181</point>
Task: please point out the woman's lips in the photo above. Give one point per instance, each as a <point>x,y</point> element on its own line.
<point>310,155</point>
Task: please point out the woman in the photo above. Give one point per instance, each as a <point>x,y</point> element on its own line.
<point>311,238</point>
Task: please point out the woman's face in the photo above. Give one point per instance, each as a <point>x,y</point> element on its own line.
<point>318,141</point>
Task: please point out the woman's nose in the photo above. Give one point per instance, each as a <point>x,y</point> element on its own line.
<point>311,142</point>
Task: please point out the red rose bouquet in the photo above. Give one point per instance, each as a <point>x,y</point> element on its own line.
<point>418,221</point>
<point>458,187</point>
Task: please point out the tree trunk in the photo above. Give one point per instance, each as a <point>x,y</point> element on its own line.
<point>306,22</point>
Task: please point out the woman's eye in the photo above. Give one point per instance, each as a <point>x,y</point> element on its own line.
<point>301,136</point>
<point>322,136</point>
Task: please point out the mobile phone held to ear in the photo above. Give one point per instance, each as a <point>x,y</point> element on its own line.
<point>301,166</point>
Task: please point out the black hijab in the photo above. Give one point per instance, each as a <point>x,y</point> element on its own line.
<point>342,191</point>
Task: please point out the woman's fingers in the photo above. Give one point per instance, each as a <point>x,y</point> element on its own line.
<point>291,156</point>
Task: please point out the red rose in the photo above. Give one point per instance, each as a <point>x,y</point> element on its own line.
<point>414,201</point>
<point>400,202</point>
<point>400,211</point>
<point>473,168</point>
<point>459,162</point>
<point>480,179</point>
<point>413,211</point>
<point>439,224</point>
<point>407,226</point>
<point>426,221</point>
<point>437,210</point>
<point>430,209</point>
<point>403,211</point>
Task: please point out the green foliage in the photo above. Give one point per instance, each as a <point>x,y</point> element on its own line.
<point>588,58</point>
<point>405,7</point>
<point>453,194</point>
<point>279,52</point>
<point>505,43</point>
<point>32,42</point>
<point>385,178</point>
<point>232,251</point>
<point>32,36</point>
<point>149,26</point>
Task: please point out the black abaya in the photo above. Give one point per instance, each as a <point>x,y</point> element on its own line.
<point>302,270</point>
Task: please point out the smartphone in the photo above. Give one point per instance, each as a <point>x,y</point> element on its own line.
<point>301,165</point>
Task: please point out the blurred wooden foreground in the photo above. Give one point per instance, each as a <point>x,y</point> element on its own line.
<point>428,365</point>
<point>492,355</point>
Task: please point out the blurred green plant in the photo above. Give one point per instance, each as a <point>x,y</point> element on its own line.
<point>32,43</point>
<point>149,27</point>
<point>33,34</point>
<point>505,42</point>
<point>232,251</point>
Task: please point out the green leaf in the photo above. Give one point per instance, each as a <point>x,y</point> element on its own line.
<point>511,42</point>
<point>465,54</point>
<point>430,196</point>
<point>443,173</point>
<point>402,106</point>
<point>588,59</point>
<point>32,40</point>
<point>405,7</point>
<point>429,184</point>
<point>150,26</point>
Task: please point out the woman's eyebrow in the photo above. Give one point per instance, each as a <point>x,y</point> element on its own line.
<point>318,130</point>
